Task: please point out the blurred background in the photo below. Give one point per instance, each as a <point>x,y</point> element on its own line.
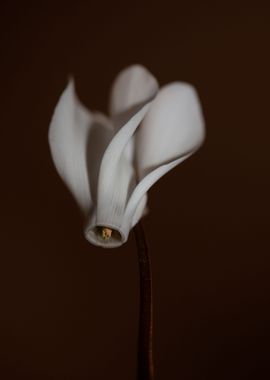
<point>69,310</point>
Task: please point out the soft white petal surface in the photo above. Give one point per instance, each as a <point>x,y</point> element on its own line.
<point>171,131</point>
<point>116,181</point>
<point>140,210</point>
<point>172,128</point>
<point>77,140</point>
<point>133,87</point>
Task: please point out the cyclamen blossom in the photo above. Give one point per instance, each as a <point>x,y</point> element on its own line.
<point>109,163</point>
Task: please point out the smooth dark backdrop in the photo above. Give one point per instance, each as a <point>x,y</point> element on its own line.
<point>68,309</point>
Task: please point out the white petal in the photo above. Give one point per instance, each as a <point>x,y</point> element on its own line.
<point>100,135</point>
<point>140,210</point>
<point>172,130</point>
<point>137,197</point>
<point>133,87</point>
<point>116,180</point>
<point>73,130</point>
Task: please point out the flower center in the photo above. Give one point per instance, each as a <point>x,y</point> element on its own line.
<point>106,233</point>
<point>104,236</point>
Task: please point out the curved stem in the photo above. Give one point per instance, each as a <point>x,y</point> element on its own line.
<point>145,367</point>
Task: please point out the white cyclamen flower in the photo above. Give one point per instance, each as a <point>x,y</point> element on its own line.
<point>109,164</point>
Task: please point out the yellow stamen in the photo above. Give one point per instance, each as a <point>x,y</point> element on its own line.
<point>106,233</point>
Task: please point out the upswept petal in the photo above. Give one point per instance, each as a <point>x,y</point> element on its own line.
<point>172,127</point>
<point>133,87</point>
<point>116,181</point>
<point>77,139</point>
<point>100,135</point>
<point>172,130</point>
<point>137,197</point>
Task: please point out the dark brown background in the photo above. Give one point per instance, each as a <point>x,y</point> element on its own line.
<point>69,310</point>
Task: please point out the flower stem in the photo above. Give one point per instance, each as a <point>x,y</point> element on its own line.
<point>145,366</point>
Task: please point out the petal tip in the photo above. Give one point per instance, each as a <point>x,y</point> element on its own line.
<point>132,86</point>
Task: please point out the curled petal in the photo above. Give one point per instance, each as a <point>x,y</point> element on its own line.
<point>132,88</point>
<point>77,140</point>
<point>172,130</point>
<point>116,182</point>
<point>139,193</point>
